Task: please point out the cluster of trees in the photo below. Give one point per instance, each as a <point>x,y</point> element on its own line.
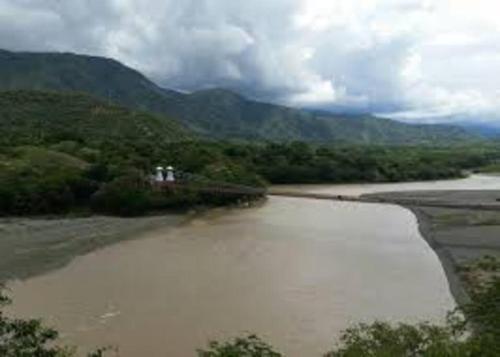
<point>37,180</point>
<point>299,162</point>
<point>113,176</point>
<point>31,338</point>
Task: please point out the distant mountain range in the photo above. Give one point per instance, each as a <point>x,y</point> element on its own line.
<point>486,130</point>
<point>215,113</point>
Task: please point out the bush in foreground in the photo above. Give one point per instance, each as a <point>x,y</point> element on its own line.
<point>477,335</point>
<point>250,346</point>
<point>27,338</point>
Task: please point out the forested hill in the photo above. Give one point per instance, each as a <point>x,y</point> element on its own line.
<point>38,117</point>
<point>213,113</point>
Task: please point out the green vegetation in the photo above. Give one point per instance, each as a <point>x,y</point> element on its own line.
<point>223,114</point>
<point>33,117</point>
<point>249,346</point>
<point>212,113</point>
<point>38,180</point>
<point>302,163</point>
<point>66,152</point>
<point>71,152</point>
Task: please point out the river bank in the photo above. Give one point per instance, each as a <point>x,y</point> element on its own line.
<point>459,237</point>
<point>34,246</point>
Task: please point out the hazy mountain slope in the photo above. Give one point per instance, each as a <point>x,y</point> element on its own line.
<point>214,113</point>
<point>488,130</point>
<point>226,114</point>
<point>368,129</point>
<point>28,117</point>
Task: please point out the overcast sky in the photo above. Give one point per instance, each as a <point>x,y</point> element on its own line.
<point>407,58</point>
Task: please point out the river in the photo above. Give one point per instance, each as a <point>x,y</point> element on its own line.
<point>294,271</point>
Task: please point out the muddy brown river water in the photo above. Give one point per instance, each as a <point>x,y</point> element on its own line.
<point>294,271</point>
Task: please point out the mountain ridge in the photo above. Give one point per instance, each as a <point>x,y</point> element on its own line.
<point>213,113</point>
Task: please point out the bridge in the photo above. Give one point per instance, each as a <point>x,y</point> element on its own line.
<point>198,183</point>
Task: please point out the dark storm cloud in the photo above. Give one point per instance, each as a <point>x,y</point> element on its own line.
<point>408,56</point>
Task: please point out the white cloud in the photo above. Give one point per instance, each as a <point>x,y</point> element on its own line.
<point>403,57</point>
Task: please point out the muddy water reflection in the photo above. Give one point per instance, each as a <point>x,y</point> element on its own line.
<point>295,271</point>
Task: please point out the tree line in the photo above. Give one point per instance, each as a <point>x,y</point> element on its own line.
<point>112,177</point>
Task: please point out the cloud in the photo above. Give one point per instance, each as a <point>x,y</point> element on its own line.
<point>412,58</point>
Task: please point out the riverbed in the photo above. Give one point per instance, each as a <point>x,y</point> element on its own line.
<point>295,271</point>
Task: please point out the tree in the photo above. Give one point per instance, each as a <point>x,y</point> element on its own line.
<point>127,195</point>
<point>478,334</point>
<point>383,340</point>
<point>27,338</point>
<point>249,346</point>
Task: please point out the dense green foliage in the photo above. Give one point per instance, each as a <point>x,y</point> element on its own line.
<point>301,163</point>
<point>60,152</point>
<point>250,346</point>
<point>33,117</point>
<point>126,195</point>
<point>37,180</point>
<point>66,152</point>
<point>42,181</point>
<point>214,113</point>
<point>382,339</point>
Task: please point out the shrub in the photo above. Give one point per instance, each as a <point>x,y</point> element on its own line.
<point>126,195</point>
<point>25,338</point>
<point>250,346</point>
<point>476,335</point>
<point>382,339</point>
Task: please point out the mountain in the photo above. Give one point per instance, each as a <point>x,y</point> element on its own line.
<point>214,113</point>
<point>487,130</point>
<point>28,117</point>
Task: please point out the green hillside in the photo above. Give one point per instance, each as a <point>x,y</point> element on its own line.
<point>64,152</point>
<point>35,117</point>
<point>224,114</point>
<point>213,113</point>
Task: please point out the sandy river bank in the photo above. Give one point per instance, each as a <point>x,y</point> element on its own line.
<point>31,246</point>
<point>458,236</point>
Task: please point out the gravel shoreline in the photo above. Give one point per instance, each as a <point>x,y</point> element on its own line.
<point>34,246</point>
<point>450,265</point>
<point>458,236</point>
